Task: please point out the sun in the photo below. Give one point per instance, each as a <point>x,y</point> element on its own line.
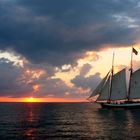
<point>30,99</point>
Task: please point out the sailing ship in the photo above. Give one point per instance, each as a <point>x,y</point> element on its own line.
<point>112,90</point>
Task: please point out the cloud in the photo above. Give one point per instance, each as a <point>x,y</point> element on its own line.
<point>59,33</point>
<point>10,84</point>
<point>89,82</point>
<point>32,80</point>
<point>85,69</point>
<point>28,81</point>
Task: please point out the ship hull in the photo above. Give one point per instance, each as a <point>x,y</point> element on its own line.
<point>123,105</point>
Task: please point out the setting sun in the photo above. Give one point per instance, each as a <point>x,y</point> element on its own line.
<point>30,99</point>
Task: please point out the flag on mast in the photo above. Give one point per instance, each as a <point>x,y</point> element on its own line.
<point>135,51</point>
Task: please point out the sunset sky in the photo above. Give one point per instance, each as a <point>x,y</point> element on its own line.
<point>59,50</point>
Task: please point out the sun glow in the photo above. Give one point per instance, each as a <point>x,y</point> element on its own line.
<point>30,99</point>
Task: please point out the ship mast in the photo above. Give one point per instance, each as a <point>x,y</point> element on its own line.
<point>112,73</point>
<point>131,72</point>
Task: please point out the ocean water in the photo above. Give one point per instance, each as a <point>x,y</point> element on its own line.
<point>67,121</point>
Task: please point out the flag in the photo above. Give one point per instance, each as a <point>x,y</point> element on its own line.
<point>135,51</point>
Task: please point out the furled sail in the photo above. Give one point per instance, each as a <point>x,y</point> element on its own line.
<point>135,85</point>
<point>105,91</point>
<point>99,87</point>
<point>119,90</point>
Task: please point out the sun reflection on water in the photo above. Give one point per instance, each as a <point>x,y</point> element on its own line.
<point>31,122</point>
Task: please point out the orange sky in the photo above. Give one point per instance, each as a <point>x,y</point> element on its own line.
<point>31,99</point>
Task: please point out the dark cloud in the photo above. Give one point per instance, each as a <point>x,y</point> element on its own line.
<point>55,88</point>
<point>58,33</point>
<point>86,82</point>
<point>10,84</point>
<point>17,81</point>
<point>85,69</point>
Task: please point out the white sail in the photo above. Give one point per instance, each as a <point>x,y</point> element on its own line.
<point>135,85</point>
<point>99,87</point>
<point>105,93</point>
<point>119,90</point>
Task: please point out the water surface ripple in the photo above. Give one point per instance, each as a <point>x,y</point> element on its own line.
<point>68,121</point>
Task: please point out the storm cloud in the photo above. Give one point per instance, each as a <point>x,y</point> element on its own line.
<point>59,32</point>
<point>11,85</point>
<point>86,82</point>
<point>32,80</point>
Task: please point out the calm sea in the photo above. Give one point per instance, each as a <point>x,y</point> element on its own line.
<point>67,121</point>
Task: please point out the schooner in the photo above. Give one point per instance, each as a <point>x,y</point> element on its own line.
<point>112,90</point>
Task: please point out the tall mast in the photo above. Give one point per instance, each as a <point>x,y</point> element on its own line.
<point>131,72</point>
<point>112,73</point>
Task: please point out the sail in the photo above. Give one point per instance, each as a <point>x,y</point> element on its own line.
<point>99,87</point>
<point>135,85</point>
<point>119,90</point>
<point>105,91</point>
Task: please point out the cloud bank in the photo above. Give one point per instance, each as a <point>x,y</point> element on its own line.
<point>58,33</point>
